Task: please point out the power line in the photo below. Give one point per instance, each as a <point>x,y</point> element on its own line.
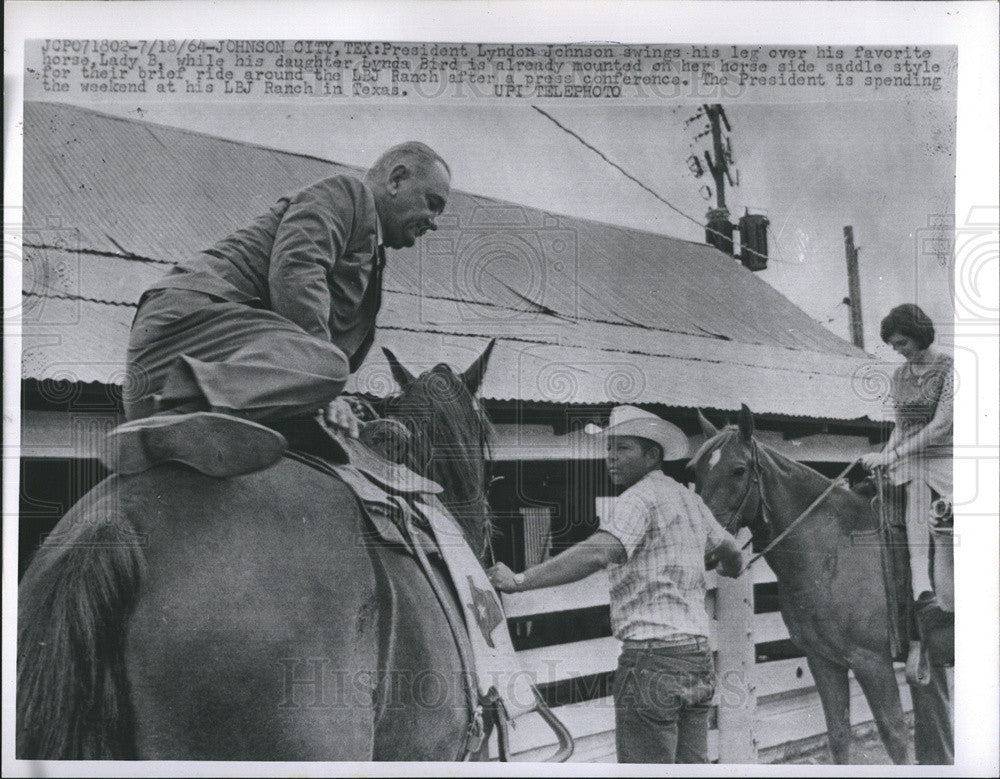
<point>615,165</point>
<point>632,178</point>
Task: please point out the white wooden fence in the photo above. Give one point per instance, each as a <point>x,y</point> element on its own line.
<point>758,705</point>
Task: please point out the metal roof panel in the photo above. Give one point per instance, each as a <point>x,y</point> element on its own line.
<point>586,312</point>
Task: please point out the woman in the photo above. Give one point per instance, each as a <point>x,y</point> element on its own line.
<point>918,453</point>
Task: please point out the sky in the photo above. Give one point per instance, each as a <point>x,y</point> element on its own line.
<point>885,168</point>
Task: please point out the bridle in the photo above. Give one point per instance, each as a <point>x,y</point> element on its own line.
<point>754,481</point>
<point>763,508</point>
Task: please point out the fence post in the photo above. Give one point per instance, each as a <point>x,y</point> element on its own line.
<point>737,682</point>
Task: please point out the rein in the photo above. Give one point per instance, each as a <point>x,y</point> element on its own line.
<point>762,506</point>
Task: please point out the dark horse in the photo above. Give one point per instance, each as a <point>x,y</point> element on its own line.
<point>830,584</point>
<point>171,615</point>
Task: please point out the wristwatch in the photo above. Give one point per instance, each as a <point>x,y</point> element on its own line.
<point>518,579</point>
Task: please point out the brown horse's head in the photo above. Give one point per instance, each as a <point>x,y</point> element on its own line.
<point>726,474</point>
<point>449,438</point>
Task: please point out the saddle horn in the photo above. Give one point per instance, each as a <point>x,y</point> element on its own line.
<point>402,376</point>
<point>473,375</point>
<point>707,428</point>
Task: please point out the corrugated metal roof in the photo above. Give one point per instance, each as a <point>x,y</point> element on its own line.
<point>585,312</point>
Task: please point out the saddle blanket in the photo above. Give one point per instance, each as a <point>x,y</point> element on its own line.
<point>496,670</point>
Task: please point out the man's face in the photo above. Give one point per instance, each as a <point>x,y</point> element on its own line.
<point>629,459</point>
<point>413,201</point>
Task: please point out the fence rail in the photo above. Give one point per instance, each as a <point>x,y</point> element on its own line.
<point>758,705</point>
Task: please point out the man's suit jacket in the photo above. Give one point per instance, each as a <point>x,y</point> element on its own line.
<point>313,258</point>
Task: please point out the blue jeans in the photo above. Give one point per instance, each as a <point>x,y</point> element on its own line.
<point>662,700</point>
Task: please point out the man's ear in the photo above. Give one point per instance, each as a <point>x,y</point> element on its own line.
<point>655,455</point>
<point>396,175</point>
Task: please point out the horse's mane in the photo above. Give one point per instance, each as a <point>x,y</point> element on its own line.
<point>451,445</point>
<point>786,463</point>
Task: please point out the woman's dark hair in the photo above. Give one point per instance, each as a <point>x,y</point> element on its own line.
<point>909,320</point>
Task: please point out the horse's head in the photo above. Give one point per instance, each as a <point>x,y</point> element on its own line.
<point>726,472</point>
<point>449,437</point>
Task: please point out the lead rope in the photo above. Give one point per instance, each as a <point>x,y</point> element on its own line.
<point>809,509</point>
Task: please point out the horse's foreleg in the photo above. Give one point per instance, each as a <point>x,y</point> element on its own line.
<point>878,681</point>
<point>835,695</point>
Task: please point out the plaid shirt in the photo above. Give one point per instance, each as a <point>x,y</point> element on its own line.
<point>666,529</point>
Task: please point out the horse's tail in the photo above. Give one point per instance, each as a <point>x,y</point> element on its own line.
<point>73,603</point>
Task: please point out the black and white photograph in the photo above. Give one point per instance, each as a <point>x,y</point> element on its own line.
<point>432,386</point>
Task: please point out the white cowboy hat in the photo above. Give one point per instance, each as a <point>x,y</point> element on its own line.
<point>632,421</point>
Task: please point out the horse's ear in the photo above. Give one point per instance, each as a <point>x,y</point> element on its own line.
<point>746,423</point>
<point>402,376</point>
<point>473,376</point>
<point>707,428</point>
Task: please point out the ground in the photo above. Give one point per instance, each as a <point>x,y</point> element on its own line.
<point>867,750</point>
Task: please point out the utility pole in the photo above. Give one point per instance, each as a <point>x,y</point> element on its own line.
<point>719,166</point>
<point>853,288</point>
<point>719,160</point>
<point>719,229</point>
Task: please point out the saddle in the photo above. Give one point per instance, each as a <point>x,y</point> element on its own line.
<point>403,510</point>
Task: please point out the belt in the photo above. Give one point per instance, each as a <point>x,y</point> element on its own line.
<point>688,641</point>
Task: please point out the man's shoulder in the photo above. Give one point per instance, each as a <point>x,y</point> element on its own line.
<point>653,487</point>
<point>343,184</point>
<point>663,491</point>
<point>344,194</point>
<point>658,481</point>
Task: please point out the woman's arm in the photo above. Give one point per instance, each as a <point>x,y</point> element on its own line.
<point>888,453</point>
<point>903,446</point>
<point>895,436</point>
<point>939,427</point>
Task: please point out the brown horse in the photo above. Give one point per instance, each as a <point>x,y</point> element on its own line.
<point>175,616</point>
<point>830,584</point>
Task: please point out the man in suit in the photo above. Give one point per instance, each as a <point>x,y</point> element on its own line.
<point>268,324</point>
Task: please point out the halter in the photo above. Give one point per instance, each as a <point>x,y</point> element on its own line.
<point>763,507</point>
<point>754,480</point>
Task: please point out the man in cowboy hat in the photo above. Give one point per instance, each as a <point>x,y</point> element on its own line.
<point>655,542</point>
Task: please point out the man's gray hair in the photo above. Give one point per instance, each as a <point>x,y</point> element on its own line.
<point>417,156</point>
